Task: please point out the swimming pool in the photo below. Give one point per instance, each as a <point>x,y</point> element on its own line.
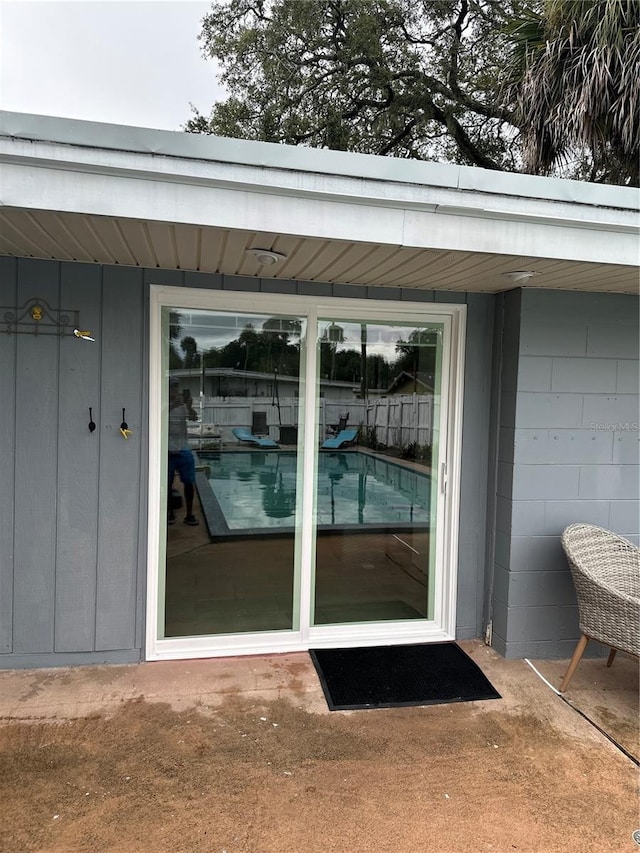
<point>252,490</point>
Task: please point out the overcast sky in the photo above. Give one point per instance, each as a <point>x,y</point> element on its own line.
<point>136,63</point>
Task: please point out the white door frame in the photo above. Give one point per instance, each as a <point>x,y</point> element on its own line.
<point>442,627</point>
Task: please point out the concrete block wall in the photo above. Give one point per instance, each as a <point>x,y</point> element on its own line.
<point>568,452</point>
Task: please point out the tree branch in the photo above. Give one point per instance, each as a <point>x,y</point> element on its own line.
<point>455,47</point>
<point>464,143</point>
<point>399,137</point>
<point>461,98</point>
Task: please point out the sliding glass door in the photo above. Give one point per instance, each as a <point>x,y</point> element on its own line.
<point>230,421</point>
<point>376,496</point>
<point>298,461</point>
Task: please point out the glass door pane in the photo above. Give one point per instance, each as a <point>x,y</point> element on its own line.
<point>379,387</point>
<point>230,437</point>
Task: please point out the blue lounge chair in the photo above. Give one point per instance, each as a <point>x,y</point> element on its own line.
<point>245,436</point>
<point>345,436</point>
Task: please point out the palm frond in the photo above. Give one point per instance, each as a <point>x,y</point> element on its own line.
<point>578,83</point>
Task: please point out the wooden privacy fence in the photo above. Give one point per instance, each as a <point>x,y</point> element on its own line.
<point>399,420</point>
<point>229,412</point>
<point>402,419</point>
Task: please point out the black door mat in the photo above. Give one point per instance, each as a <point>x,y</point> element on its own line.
<point>395,676</point>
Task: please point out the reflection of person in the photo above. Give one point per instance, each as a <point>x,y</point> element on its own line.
<point>180,455</point>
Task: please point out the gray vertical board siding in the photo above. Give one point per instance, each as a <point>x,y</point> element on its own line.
<point>413,294</point>
<point>271,285</point>
<point>475,463</point>
<point>356,291</point>
<point>309,288</point>
<point>36,468</point>
<point>373,292</point>
<point>8,299</point>
<point>500,488</point>
<point>498,509</point>
<point>37,660</point>
<point>143,503</point>
<point>78,465</point>
<point>122,387</point>
<point>451,297</point>
<point>153,275</point>
<point>76,528</point>
<point>241,282</point>
<point>201,280</point>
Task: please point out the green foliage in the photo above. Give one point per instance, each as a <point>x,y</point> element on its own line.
<point>345,365</point>
<point>276,347</point>
<point>264,351</point>
<point>418,352</point>
<point>412,78</point>
<point>175,361</point>
<point>368,437</point>
<point>417,452</point>
<point>189,347</point>
<point>546,86</point>
<point>574,78</point>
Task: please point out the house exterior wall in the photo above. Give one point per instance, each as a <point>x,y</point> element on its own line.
<point>73,506</point>
<point>568,452</point>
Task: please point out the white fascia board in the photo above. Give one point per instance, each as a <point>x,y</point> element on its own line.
<point>505,235</point>
<point>144,186</point>
<point>446,197</point>
<point>188,146</point>
<point>189,204</point>
<point>553,189</point>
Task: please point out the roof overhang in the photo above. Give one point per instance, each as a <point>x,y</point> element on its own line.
<point>82,191</point>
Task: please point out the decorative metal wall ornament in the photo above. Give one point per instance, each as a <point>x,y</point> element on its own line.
<point>37,317</point>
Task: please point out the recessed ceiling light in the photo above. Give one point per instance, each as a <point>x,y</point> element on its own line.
<point>519,276</point>
<point>266,257</point>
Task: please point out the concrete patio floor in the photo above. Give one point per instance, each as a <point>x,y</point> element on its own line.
<point>242,754</point>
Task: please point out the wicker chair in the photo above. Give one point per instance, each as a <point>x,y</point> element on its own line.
<point>606,574</point>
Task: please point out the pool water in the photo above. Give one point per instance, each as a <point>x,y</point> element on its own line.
<point>258,490</point>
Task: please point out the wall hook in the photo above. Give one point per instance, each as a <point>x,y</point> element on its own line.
<point>92,426</point>
<point>124,427</point>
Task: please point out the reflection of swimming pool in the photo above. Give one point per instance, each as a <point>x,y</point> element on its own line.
<point>254,490</point>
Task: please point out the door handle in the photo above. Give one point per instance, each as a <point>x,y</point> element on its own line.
<point>444,477</point>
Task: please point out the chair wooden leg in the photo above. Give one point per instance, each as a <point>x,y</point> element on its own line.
<point>612,655</point>
<point>575,660</point>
